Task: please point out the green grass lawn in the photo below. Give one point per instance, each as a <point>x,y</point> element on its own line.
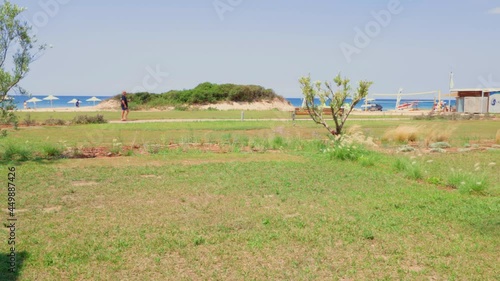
<point>196,114</point>
<point>290,210</point>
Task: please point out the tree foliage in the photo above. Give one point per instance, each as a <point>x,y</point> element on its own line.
<point>337,97</point>
<point>17,51</point>
<point>206,93</point>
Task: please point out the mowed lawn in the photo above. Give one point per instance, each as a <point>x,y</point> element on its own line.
<point>288,211</point>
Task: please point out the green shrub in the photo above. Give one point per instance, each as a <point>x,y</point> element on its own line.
<point>54,122</point>
<point>85,119</point>
<point>51,151</point>
<point>16,152</point>
<point>27,121</point>
<point>346,151</point>
<point>204,93</point>
<point>7,115</point>
<point>278,142</point>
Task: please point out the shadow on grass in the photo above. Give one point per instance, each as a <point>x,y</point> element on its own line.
<point>5,265</point>
<point>36,160</point>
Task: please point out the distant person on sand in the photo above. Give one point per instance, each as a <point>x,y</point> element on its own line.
<point>77,103</point>
<point>124,104</point>
<point>25,105</point>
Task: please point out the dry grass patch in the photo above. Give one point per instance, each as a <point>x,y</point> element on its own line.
<point>497,137</point>
<point>402,134</point>
<point>436,134</point>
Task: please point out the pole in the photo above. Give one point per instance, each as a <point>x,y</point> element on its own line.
<point>452,85</point>
<point>482,101</point>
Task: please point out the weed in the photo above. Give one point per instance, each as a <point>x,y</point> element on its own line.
<point>16,152</point>
<point>414,172</point>
<point>116,147</point>
<point>54,122</point>
<point>278,142</point>
<point>27,121</point>
<point>411,169</point>
<point>435,180</point>
<point>153,148</point>
<point>468,182</point>
<point>51,151</point>
<point>367,234</point>
<point>367,160</point>
<point>85,119</point>
<point>438,135</point>
<point>199,241</point>
<point>342,151</point>
<point>74,152</point>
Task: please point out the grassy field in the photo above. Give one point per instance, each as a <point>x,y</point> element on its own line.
<point>197,114</point>
<point>275,200</point>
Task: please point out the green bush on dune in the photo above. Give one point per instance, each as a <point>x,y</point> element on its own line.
<point>205,93</point>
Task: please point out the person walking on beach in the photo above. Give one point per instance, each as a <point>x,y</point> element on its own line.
<point>77,103</point>
<point>124,104</point>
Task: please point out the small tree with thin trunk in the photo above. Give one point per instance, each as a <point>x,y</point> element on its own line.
<point>325,91</point>
<point>16,53</point>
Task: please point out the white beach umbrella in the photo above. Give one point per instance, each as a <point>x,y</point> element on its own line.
<point>51,98</point>
<point>34,101</point>
<point>73,101</point>
<point>94,99</point>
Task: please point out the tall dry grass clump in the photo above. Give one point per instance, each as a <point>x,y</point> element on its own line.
<point>436,134</point>
<point>497,137</point>
<point>402,134</point>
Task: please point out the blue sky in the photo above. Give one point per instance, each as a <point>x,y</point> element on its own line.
<point>104,47</point>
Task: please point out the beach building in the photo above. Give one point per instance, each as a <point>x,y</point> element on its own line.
<point>477,100</point>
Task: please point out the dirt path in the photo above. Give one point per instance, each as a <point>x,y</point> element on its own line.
<point>245,120</point>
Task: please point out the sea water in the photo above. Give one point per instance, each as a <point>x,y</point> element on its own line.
<point>387,104</point>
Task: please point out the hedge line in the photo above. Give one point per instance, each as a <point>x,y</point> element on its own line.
<point>205,93</point>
